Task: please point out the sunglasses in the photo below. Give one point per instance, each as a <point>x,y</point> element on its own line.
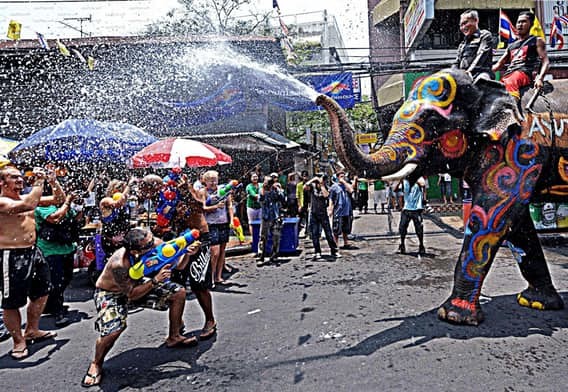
<point>146,247</point>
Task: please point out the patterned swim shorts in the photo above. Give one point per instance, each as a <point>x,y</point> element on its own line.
<point>112,308</point>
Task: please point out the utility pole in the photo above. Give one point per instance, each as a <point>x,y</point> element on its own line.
<point>80,20</point>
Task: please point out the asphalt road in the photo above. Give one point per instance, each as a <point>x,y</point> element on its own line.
<point>366,322</point>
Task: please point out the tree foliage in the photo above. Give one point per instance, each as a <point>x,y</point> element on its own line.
<point>220,17</point>
<point>362,117</point>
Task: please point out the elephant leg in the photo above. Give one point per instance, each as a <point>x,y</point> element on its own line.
<point>501,186</point>
<point>541,293</point>
<point>474,262</point>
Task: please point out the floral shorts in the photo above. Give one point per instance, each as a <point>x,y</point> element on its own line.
<point>112,308</point>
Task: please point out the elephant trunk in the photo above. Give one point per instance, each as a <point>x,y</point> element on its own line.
<point>382,163</point>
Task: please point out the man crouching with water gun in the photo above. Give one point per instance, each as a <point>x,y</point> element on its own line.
<point>123,281</point>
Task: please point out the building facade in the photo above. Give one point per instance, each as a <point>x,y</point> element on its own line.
<point>436,41</point>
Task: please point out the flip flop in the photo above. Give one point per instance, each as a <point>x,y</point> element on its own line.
<point>18,355</point>
<point>187,342</point>
<point>97,378</point>
<point>208,333</point>
<point>47,335</point>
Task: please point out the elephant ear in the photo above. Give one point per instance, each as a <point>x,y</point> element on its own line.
<point>497,109</point>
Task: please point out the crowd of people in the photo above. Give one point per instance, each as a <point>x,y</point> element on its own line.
<point>43,213</point>
<point>42,210</point>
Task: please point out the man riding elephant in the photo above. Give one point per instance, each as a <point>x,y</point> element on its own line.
<point>524,56</point>
<point>475,53</point>
<point>475,131</point>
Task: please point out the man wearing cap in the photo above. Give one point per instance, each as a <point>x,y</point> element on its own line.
<point>271,199</point>
<point>115,288</point>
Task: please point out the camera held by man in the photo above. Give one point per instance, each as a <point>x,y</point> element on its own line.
<point>271,183</point>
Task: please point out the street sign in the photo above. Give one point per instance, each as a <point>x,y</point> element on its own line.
<point>417,19</point>
<point>367,138</point>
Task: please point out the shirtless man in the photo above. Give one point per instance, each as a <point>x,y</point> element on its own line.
<point>25,273</point>
<point>189,214</point>
<point>115,288</point>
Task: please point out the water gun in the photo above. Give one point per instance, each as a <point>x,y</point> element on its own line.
<point>165,253</point>
<point>222,193</point>
<point>238,229</point>
<point>169,198</point>
<point>173,177</point>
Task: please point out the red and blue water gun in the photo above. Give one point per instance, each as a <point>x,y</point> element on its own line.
<point>169,198</point>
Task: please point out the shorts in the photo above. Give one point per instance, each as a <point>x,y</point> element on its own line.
<point>514,81</point>
<point>446,188</point>
<point>219,233</point>
<point>380,196</point>
<point>341,225</point>
<point>112,308</point>
<point>254,214</point>
<point>198,270</point>
<point>25,273</point>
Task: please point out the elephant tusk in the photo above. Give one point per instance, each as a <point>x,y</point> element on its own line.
<point>402,173</point>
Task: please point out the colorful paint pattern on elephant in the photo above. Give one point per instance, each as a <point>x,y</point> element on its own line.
<point>563,168</point>
<point>559,190</point>
<point>540,128</point>
<point>453,144</point>
<point>511,180</point>
<point>436,92</point>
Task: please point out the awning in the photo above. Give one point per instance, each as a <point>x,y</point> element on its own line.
<point>392,90</point>
<point>248,141</point>
<point>6,145</point>
<point>483,4</point>
<point>385,9</point>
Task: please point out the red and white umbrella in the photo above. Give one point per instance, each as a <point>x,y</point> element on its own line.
<point>172,152</point>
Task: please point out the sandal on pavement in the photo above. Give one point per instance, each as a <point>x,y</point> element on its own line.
<point>18,355</point>
<point>208,333</point>
<point>96,379</point>
<point>45,336</point>
<point>184,343</point>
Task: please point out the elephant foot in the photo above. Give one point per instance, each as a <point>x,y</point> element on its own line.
<point>543,299</point>
<point>459,311</point>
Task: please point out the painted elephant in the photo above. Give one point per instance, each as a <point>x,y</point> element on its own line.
<point>476,131</point>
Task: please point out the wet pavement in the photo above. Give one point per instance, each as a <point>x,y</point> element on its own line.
<point>364,322</point>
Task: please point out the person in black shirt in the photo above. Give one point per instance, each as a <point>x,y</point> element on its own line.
<point>475,53</point>
<point>523,57</point>
<point>319,217</point>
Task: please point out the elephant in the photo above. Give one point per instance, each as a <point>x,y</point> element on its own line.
<point>476,131</point>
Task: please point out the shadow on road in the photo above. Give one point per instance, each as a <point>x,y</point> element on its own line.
<point>6,362</point>
<point>503,318</point>
<point>144,366</point>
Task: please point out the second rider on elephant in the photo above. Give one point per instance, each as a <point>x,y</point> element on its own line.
<point>523,57</point>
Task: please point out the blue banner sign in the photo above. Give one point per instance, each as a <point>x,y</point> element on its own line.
<point>337,86</point>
